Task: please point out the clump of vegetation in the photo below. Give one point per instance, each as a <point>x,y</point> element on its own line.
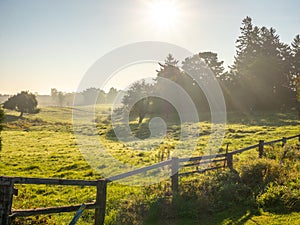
<point>267,184</point>
<point>259,173</point>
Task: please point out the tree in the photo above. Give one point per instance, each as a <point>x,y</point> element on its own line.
<point>111,95</point>
<point>295,69</point>
<point>295,63</point>
<point>23,102</point>
<point>212,61</point>
<point>137,99</point>
<point>101,97</point>
<point>261,69</point>
<point>90,95</point>
<point>1,126</point>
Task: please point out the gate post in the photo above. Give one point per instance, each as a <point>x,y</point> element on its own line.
<point>101,202</point>
<point>174,175</point>
<point>6,198</point>
<point>283,141</point>
<point>261,148</point>
<point>229,159</point>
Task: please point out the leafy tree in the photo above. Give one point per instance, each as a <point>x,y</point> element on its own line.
<point>1,126</point>
<point>212,61</point>
<point>198,67</point>
<point>23,102</point>
<point>137,99</point>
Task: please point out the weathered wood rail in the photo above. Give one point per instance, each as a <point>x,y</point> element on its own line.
<point>7,188</point>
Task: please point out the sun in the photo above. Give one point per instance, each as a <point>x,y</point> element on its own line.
<point>163,13</point>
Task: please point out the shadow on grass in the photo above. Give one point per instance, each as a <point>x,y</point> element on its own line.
<point>141,131</point>
<point>264,118</point>
<point>234,216</point>
<point>11,118</point>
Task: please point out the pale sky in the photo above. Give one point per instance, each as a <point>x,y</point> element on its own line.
<point>51,44</point>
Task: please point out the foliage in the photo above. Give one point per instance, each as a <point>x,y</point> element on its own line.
<point>279,198</point>
<point>61,98</point>
<point>259,173</point>
<point>212,61</point>
<point>137,99</point>
<point>23,102</point>
<point>261,71</point>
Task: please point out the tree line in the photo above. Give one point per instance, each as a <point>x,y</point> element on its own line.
<point>88,96</point>
<point>264,76</point>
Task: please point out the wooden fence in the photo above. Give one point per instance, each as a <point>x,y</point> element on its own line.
<point>7,189</point>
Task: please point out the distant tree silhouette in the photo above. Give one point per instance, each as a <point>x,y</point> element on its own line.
<point>90,95</point>
<point>58,97</point>
<point>23,102</point>
<point>111,95</point>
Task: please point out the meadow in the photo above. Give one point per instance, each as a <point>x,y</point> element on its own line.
<point>44,146</point>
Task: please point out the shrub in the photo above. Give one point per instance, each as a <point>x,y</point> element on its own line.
<point>280,198</point>
<point>271,199</point>
<point>258,174</point>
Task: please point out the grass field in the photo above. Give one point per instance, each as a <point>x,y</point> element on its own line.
<point>44,145</point>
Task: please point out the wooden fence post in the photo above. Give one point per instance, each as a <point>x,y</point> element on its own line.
<point>229,159</point>
<point>261,148</point>
<point>101,202</point>
<point>6,198</point>
<point>283,141</point>
<point>174,176</point>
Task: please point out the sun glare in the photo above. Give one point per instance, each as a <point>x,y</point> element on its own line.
<point>163,13</point>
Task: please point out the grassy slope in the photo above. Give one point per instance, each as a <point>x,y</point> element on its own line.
<point>43,145</point>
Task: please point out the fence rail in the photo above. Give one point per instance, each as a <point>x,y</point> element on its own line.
<point>26,180</point>
<point>7,189</point>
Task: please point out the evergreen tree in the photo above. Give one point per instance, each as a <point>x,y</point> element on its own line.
<point>1,125</point>
<point>295,69</point>
<point>261,69</point>
<point>295,61</point>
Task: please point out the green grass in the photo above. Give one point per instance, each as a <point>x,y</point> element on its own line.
<point>44,145</point>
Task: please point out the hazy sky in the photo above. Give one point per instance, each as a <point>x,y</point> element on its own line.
<point>51,44</point>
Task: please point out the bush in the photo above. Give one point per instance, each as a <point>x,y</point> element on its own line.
<point>280,198</point>
<point>259,173</point>
<point>271,199</point>
<point>224,189</point>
